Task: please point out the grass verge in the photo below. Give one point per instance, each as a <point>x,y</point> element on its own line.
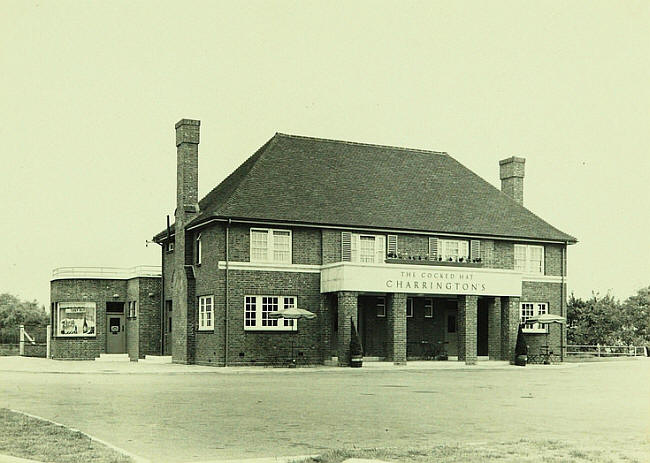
<point>526,451</point>
<point>26,437</point>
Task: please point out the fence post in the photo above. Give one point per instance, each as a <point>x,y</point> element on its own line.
<point>598,349</point>
<point>21,345</point>
<point>49,336</point>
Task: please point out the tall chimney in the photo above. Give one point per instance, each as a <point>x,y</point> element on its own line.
<point>187,162</point>
<point>187,206</point>
<point>511,171</point>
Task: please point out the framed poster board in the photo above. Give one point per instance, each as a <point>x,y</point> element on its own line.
<point>76,319</point>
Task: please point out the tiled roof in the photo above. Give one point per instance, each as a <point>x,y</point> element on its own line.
<point>329,182</point>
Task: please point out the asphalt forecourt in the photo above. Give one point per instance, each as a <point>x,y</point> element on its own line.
<point>577,412</point>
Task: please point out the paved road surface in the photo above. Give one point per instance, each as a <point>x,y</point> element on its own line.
<point>199,416</point>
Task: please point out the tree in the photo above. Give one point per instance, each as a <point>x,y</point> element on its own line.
<point>635,319</point>
<point>605,320</point>
<point>14,312</point>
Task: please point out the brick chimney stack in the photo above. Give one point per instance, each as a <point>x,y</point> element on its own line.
<point>511,171</point>
<point>187,207</point>
<point>187,161</point>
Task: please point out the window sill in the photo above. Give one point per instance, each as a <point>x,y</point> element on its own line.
<point>441,263</point>
<point>534,331</point>
<point>270,330</point>
<point>205,330</point>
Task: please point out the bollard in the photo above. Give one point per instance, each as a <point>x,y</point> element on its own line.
<point>48,336</point>
<point>21,346</point>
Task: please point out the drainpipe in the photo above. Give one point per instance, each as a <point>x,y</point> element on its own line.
<point>225,347</point>
<point>562,300</point>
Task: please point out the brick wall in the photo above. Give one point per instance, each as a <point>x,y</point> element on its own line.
<point>551,293</point>
<point>85,290</point>
<point>132,330</point>
<point>148,317</point>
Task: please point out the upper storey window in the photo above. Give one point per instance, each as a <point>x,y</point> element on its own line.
<point>529,258</point>
<point>270,245</point>
<point>364,248</point>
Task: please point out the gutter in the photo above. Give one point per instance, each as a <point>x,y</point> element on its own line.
<point>366,228</point>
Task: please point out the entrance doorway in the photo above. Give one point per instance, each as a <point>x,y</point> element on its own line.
<point>451,327</point>
<point>115,328</point>
<point>482,328</point>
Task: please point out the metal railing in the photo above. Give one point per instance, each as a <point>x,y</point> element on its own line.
<point>118,273</point>
<point>598,350</point>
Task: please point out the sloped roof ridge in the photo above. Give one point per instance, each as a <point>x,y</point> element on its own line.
<point>254,159</point>
<point>356,143</point>
<point>509,198</point>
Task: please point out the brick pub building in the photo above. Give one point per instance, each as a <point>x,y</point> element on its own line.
<point>414,248</point>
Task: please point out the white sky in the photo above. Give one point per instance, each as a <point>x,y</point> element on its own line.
<point>90,92</point>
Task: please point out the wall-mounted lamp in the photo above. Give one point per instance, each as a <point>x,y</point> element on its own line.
<point>115,296</point>
<point>151,294</point>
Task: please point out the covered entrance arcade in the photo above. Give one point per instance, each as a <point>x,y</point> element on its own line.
<point>466,313</point>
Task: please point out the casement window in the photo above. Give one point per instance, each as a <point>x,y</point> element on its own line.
<point>170,246</point>
<point>428,308</point>
<point>363,248</point>
<point>381,306</point>
<point>530,309</point>
<point>409,307</point>
<point>258,308</point>
<point>270,245</point>
<point>448,250</point>
<point>197,249</point>
<point>529,259</point>
<point>206,313</point>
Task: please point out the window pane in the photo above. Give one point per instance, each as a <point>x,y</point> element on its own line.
<point>367,249</point>
<point>259,245</point>
<point>250,308</point>
<point>520,258</point>
<point>269,304</point>
<point>289,303</point>
<point>281,246</point>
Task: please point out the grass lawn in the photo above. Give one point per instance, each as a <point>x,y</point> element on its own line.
<point>26,437</point>
<point>527,451</point>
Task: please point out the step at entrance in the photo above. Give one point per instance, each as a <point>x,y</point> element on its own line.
<point>157,359</point>
<point>113,358</point>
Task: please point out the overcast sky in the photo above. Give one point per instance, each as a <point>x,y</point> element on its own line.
<point>90,92</point>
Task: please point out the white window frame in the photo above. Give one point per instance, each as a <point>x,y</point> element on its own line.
<point>428,307</point>
<point>532,309</point>
<point>463,249</point>
<point>525,264</point>
<point>198,249</point>
<point>270,245</point>
<point>378,256</point>
<point>170,246</point>
<point>381,307</point>
<point>254,319</point>
<point>206,313</point>
<point>409,307</point>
